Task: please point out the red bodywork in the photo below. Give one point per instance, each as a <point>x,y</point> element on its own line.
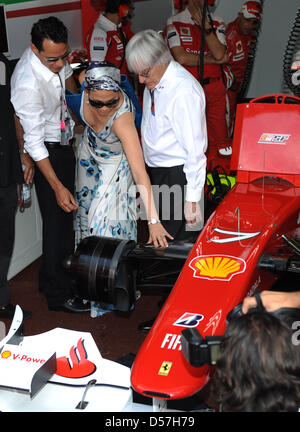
<point>222,267</point>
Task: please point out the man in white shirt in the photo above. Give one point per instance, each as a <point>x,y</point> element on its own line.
<point>174,134</point>
<point>38,96</point>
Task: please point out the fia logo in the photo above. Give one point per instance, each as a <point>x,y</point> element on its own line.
<point>189,320</point>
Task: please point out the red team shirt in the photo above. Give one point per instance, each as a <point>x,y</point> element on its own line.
<point>181,30</point>
<point>238,49</point>
<point>108,43</point>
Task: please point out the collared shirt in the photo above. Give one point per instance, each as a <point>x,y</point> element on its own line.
<point>176,134</point>
<point>36,97</point>
<point>182,30</point>
<point>108,43</point>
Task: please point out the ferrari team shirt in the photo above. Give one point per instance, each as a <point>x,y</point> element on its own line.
<point>238,49</point>
<point>181,30</point>
<point>174,127</point>
<point>108,43</point>
<point>36,97</point>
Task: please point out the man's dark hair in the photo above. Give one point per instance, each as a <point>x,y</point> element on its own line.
<point>48,28</point>
<point>112,6</point>
<point>259,366</point>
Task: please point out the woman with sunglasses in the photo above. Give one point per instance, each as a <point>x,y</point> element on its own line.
<point>110,163</point>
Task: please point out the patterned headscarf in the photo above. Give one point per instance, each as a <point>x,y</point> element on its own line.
<point>103,76</point>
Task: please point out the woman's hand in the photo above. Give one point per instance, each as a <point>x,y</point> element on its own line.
<point>157,235</point>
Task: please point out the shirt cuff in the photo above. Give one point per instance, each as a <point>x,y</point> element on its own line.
<point>192,195</point>
<point>37,154</point>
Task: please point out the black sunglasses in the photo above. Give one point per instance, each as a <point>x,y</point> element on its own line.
<point>100,104</point>
<point>55,59</point>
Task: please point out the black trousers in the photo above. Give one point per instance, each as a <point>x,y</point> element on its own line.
<point>168,185</point>
<point>8,205</point>
<point>58,231</point>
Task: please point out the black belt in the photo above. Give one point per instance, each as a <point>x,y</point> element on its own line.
<point>57,145</point>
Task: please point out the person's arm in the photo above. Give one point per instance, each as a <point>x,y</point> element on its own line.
<point>186,58</point>
<point>216,47</point>
<point>125,129</point>
<point>71,84</point>
<point>26,160</point>
<point>29,109</point>
<point>273,300</point>
<point>99,44</point>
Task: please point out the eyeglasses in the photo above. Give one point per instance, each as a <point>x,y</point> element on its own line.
<point>145,73</point>
<point>56,59</point>
<point>99,104</point>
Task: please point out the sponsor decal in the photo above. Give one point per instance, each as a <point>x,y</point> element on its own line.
<point>189,320</point>
<point>165,368</point>
<point>271,138</point>
<point>171,342</point>
<point>117,39</point>
<point>254,287</point>
<point>238,57</point>
<point>185,31</point>
<point>77,365</point>
<point>186,39</point>
<point>214,322</point>
<point>28,358</point>
<point>234,236</point>
<point>217,267</point>
<point>171,34</point>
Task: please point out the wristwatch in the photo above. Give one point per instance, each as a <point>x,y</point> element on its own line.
<point>153,221</point>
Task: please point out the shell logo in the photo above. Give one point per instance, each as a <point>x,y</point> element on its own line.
<point>217,267</point>
<point>6,354</point>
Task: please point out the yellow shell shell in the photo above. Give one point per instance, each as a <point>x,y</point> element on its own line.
<point>216,267</point>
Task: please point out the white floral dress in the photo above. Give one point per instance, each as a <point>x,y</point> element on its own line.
<point>105,190</point>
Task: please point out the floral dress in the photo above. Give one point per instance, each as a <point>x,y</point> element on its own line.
<point>105,190</point>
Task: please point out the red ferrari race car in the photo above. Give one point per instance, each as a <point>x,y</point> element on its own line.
<point>246,244</point>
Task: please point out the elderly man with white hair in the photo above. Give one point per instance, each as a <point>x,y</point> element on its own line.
<point>174,134</point>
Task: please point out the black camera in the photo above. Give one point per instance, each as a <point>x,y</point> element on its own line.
<point>200,351</point>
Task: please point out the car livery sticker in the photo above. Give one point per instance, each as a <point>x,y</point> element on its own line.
<point>217,267</point>
<point>165,368</point>
<point>189,320</point>
<point>271,138</point>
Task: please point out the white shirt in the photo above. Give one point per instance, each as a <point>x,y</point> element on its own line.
<point>35,95</point>
<point>177,134</point>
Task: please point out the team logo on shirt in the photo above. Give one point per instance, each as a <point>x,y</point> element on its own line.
<point>117,39</point>
<point>185,31</point>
